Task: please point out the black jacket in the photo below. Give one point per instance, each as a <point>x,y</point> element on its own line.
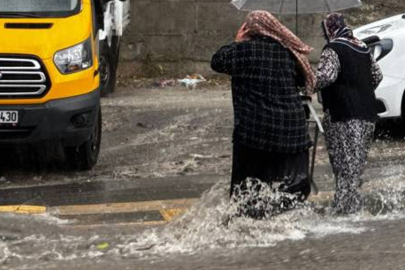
<point>268,111</point>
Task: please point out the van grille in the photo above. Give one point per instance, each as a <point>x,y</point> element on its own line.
<point>22,77</point>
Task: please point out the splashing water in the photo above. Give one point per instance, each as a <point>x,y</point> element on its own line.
<point>205,226</point>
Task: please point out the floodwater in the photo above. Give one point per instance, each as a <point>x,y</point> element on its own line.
<point>181,133</point>
<point>204,238</point>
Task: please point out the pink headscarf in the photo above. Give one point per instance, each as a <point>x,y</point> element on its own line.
<point>265,24</point>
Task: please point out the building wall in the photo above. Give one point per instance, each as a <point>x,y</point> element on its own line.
<point>178,37</point>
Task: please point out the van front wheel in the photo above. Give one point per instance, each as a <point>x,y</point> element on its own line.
<point>85,156</point>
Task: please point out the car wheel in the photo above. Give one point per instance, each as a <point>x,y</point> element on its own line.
<point>85,156</point>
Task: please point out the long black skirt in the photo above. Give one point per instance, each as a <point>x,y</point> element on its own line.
<point>290,170</point>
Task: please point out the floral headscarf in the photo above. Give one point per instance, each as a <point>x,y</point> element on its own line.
<point>334,26</point>
<point>265,24</point>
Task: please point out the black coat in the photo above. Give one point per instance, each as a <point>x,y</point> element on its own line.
<point>268,111</point>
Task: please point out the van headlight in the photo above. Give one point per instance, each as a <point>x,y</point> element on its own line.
<point>76,58</point>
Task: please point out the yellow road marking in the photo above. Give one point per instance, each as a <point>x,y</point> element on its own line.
<point>170,214</point>
<point>23,209</point>
<point>140,223</point>
<point>122,207</point>
<point>168,208</point>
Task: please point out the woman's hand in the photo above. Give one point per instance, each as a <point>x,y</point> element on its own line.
<point>242,34</point>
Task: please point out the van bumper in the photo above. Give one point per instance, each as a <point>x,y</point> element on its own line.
<point>69,121</point>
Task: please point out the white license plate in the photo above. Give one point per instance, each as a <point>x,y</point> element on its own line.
<point>9,117</point>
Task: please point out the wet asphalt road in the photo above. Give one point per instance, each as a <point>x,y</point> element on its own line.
<point>161,149</point>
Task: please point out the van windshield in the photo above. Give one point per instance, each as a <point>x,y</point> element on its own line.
<point>39,8</point>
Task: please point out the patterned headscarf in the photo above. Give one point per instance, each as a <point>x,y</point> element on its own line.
<point>264,23</point>
<point>334,26</point>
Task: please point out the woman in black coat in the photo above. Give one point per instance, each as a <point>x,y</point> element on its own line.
<point>267,64</point>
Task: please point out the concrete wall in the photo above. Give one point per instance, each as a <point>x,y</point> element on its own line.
<point>178,37</point>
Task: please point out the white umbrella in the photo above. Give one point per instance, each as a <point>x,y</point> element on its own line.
<point>295,6</point>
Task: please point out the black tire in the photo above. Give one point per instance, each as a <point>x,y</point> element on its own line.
<point>85,156</point>
<point>108,66</point>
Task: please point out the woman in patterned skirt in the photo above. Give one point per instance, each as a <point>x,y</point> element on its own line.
<point>268,63</point>
<point>347,76</point>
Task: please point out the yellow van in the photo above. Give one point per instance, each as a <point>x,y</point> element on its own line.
<point>56,57</point>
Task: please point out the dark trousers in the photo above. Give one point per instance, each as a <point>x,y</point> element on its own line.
<point>291,170</point>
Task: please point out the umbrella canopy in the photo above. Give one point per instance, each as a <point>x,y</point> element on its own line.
<point>295,6</point>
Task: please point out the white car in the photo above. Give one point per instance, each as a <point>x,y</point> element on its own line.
<point>386,38</point>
